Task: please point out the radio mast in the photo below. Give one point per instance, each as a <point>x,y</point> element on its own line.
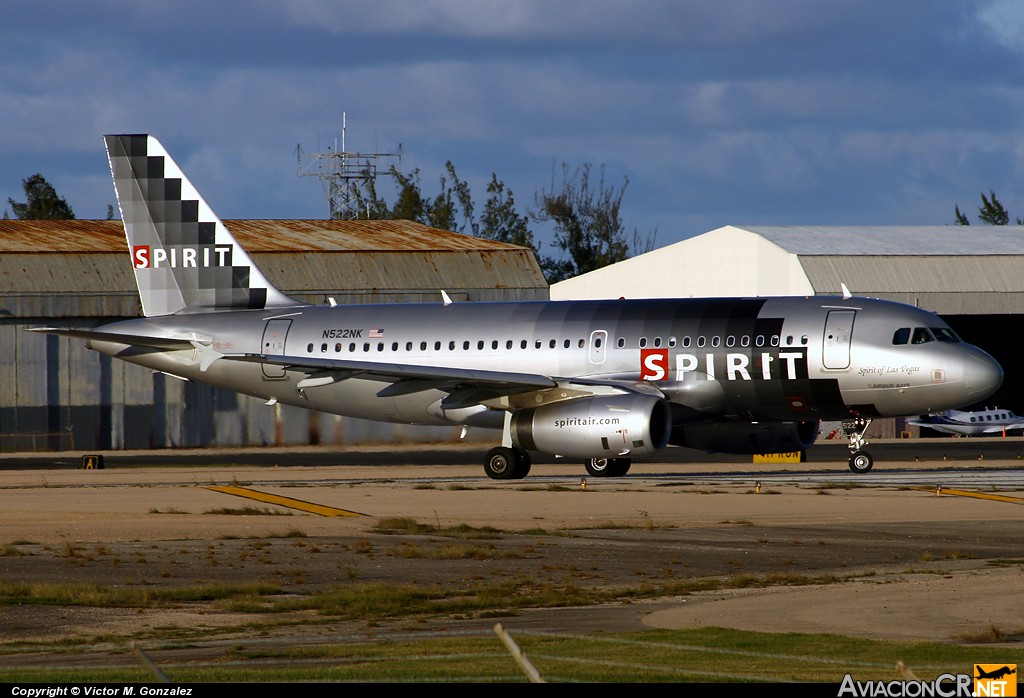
<point>339,171</point>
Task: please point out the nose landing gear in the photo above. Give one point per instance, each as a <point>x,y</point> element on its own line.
<point>860,460</point>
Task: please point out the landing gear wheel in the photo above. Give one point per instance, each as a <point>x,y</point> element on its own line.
<point>505,463</point>
<point>861,462</point>
<point>501,463</point>
<point>523,463</point>
<point>608,467</point>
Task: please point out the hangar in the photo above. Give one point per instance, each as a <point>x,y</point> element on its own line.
<point>58,395</point>
<point>972,276</point>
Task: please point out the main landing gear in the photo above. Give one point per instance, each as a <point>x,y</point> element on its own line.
<point>860,460</point>
<point>608,467</point>
<point>510,463</point>
<point>506,463</point>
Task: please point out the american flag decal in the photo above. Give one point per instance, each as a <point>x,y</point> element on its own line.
<point>376,334</point>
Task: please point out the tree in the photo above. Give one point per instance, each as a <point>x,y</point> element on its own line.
<point>991,212</point>
<point>42,202</point>
<point>500,220</point>
<point>588,227</point>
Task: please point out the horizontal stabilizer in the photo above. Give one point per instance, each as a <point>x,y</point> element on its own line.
<point>168,343</point>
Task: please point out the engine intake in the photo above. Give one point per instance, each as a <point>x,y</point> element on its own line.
<point>595,427</point>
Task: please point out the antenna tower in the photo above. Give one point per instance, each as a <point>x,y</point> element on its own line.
<point>339,170</point>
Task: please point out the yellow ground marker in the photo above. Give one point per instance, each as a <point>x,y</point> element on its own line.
<point>977,495</point>
<point>309,507</point>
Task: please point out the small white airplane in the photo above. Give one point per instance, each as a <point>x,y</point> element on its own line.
<point>990,420</point>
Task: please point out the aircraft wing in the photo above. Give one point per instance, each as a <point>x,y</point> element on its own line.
<point>473,385</point>
<point>467,386</point>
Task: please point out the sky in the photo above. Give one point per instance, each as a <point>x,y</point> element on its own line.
<point>724,112</point>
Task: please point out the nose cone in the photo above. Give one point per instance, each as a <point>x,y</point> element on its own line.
<point>982,375</point>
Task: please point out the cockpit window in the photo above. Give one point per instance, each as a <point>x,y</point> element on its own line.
<point>901,336</point>
<point>944,334</point>
<point>922,335</point>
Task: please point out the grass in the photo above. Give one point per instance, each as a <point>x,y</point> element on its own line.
<point>704,655</point>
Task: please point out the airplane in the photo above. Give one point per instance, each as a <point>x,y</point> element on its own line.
<point>995,674</point>
<point>990,420</point>
<point>603,381</point>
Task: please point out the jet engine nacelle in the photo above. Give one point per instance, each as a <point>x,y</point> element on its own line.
<point>594,427</point>
<point>737,437</point>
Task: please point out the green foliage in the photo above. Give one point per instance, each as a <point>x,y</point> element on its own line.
<point>588,229</point>
<point>42,202</point>
<point>991,212</point>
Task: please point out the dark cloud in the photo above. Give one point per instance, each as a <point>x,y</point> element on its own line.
<point>737,111</point>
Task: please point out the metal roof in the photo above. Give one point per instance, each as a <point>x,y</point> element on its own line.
<point>954,240</point>
<point>81,268</point>
<point>254,235</point>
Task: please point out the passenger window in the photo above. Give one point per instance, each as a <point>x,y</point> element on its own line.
<point>380,346</point>
<point>522,344</point>
<point>803,340</point>
<point>745,340</point>
<point>901,336</point>
<point>337,348</point>
<point>643,342</point>
<point>671,341</point>
<point>597,342</point>
<point>423,346</point>
<point>394,346</point>
<point>465,345</point>
<point>309,348</point>
<point>759,340</point>
<point>508,344</point>
<point>437,346</point>
<point>451,345</point>
<point>775,340</point>
<point>366,346</point>
<point>686,341</point>
<point>551,344</point>
<point>657,341</point>
<point>716,340</point>
<point>730,341</point>
<point>480,344</point>
<point>537,344</point>
<point>408,346</point>
<point>621,343</point>
<point>323,347</point>
<point>581,343</point>
<point>565,343</point>
<point>352,347</point>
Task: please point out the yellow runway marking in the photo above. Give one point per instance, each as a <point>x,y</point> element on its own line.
<point>318,509</point>
<point>976,495</point>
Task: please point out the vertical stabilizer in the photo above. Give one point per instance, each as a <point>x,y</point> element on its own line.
<point>185,259</point>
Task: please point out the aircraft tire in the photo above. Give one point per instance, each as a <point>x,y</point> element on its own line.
<point>608,467</point>
<point>501,463</point>
<point>523,464</point>
<point>861,462</point>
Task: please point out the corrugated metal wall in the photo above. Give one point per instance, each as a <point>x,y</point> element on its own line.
<point>56,395</point>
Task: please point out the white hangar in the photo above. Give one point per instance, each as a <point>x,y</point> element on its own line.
<point>946,269</point>
<point>973,276</point>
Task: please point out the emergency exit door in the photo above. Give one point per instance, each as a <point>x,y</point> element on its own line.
<point>836,340</point>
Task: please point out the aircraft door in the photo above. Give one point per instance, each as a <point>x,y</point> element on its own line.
<point>274,336</point>
<point>835,345</point>
<point>598,340</point>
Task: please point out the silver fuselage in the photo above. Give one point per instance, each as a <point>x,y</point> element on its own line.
<point>788,359</point>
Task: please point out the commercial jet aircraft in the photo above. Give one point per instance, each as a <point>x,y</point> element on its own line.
<point>989,421</point>
<point>600,381</point>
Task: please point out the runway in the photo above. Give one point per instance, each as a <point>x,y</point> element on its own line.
<point>900,559</point>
